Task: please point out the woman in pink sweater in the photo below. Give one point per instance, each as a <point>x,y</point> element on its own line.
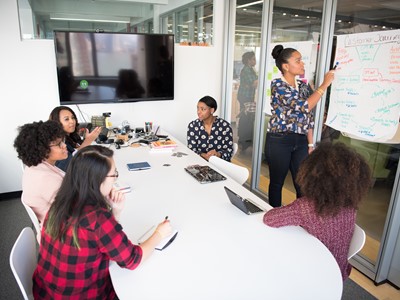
<point>333,180</point>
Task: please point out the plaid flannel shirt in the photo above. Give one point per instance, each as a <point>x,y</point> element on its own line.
<point>66,272</point>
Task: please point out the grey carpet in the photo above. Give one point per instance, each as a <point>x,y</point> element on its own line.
<point>13,218</point>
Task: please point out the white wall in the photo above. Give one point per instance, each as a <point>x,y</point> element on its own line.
<point>29,88</point>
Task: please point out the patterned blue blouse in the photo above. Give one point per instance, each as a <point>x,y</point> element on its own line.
<point>220,138</point>
<point>290,111</point>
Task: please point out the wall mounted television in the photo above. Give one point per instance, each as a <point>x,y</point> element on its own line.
<point>99,67</point>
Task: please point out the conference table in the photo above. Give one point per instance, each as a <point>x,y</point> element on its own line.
<point>219,252</point>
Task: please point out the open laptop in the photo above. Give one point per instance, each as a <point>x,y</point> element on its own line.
<point>244,205</point>
<point>204,174</point>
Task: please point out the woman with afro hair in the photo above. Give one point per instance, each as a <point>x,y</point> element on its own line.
<point>39,145</point>
<point>333,181</point>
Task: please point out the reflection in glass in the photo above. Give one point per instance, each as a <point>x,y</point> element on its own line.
<point>245,77</point>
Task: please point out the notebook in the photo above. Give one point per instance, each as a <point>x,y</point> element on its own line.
<point>245,205</point>
<point>204,174</point>
<point>144,165</point>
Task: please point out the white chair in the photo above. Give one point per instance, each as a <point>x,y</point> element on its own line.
<point>33,218</point>
<point>357,241</point>
<point>237,173</point>
<point>235,149</point>
<point>23,260</point>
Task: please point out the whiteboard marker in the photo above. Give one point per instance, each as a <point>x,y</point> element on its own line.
<point>334,68</point>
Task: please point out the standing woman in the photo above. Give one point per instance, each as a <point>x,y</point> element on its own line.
<point>210,135</point>
<point>81,233</point>
<point>290,131</point>
<point>67,118</point>
<point>245,96</point>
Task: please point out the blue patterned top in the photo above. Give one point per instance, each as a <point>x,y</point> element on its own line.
<point>220,138</point>
<point>289,105</point>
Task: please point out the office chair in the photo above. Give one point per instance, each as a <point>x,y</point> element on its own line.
<point>33,218</point>
<point>236,172</point>
<point>357,242</point>
<point>235,149</point>
<point>23,261</point>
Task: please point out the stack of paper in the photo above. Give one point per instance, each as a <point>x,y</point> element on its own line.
<point>163,146</point>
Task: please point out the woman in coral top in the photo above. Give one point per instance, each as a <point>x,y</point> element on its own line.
<point>333,179</point>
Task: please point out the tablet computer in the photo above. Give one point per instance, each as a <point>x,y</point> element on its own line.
<point>144,165</point>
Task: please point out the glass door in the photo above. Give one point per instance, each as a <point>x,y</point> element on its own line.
<point>351,21</point>
<point>244,81</point>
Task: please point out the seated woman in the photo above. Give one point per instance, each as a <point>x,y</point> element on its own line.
<point>210,135</point>
<point>81,233</point>
<point>67,118</point>
<point>333,179</point>
<point>39,145</point>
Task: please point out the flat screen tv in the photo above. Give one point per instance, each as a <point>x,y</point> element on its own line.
<point>99,67</point>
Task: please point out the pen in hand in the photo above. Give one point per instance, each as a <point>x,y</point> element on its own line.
<point>334,67</point>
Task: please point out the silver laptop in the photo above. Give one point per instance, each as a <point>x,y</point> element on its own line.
<point>245,205</point>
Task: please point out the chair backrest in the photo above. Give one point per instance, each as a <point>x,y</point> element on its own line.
<point>357,242</point>
<point>237,173</point>
<point>23,260</point>
<point>235,149</point>
<point>33,218</point>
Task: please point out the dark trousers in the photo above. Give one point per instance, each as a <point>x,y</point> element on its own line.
<point>283,152</point>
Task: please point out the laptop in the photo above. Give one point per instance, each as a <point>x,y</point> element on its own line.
<point>245,205</point>
<point>204,174</point>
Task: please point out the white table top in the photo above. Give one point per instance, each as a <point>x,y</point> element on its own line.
<point>219,252</point>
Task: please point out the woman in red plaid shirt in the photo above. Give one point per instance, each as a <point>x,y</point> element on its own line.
<point>81,233</point>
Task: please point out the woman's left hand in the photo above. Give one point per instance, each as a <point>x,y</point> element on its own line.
<point>91,136</point>
<point>116,199</point>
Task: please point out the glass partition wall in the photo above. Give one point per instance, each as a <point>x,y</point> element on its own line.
<point>244,82</point>
<point>299,24</point>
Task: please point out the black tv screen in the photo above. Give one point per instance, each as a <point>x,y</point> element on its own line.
<point>103,67</point>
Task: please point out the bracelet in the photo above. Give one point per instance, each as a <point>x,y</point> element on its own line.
<point>320,91</point>
<point>311,145</point>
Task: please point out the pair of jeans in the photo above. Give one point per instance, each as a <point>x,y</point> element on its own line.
<point>284,151</point>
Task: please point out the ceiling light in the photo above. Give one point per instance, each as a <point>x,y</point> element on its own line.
<point>249,4</point>
<point>89,18</point>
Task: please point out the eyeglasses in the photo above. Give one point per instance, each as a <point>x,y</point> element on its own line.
<point>114,175</point>
<point>60,144</point>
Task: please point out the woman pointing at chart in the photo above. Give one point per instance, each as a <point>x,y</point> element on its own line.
<point>290,129</point>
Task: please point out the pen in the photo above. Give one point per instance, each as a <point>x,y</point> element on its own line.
<point>334,68</point>
<point>166,218</point>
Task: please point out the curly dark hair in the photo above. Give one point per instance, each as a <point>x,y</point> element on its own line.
<point>74,138</point>
<point>334,176</point>
<point>33,141</point>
